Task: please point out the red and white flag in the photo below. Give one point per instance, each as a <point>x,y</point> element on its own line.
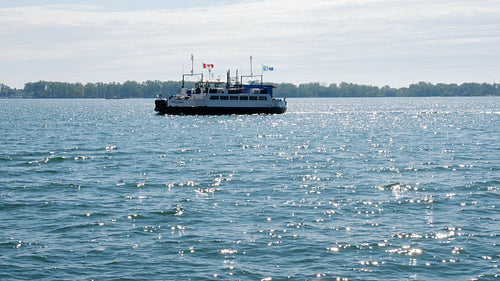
<point>208,65</point>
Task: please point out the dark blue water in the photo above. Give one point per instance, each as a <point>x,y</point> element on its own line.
<point>335,189</point>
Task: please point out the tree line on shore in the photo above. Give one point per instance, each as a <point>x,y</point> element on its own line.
<point>150,89</point>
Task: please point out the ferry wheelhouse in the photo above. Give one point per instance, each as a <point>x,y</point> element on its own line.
<point>217,98</point>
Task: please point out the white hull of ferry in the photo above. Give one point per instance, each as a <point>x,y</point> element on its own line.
<point>216,104</point>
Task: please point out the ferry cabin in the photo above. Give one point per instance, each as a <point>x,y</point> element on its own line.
<point>213,94</point>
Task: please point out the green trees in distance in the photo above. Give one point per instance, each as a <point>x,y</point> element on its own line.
<point>129,89</point>
<point>7,92</point>
<point>150,89</point>
<point>422,89</point>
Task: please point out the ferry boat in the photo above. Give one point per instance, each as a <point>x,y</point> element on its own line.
<point>218,98</point>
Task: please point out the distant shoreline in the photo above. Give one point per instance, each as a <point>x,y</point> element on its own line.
<point>150,89</point>
<point>131,98</point>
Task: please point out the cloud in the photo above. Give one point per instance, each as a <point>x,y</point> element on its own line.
<point>328,38</point>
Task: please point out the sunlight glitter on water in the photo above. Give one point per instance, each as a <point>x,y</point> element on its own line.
<point>335,189</point>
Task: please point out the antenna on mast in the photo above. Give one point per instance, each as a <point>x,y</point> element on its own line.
<point>192,63</point>
<point>251,66</point>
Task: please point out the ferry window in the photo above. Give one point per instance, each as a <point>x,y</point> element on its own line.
<point>235,91</point>
<point>214,97</point>
<point>253,98</point>
<point>224,97</point>
<point>262,98</point>
<point>243,98</point>
<point>233,98</point>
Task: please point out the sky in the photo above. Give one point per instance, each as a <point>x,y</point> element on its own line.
<point>370,42</point>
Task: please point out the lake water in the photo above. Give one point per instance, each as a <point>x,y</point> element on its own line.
<point>334,189</point>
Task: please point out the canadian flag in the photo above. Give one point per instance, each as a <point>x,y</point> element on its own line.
<point>208,65</point>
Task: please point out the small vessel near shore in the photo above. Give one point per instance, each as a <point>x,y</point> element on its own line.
<point>219,98</point>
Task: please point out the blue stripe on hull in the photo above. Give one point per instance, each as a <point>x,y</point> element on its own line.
<point>162,108</point>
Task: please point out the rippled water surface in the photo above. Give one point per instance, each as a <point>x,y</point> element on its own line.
<point>335,189</point>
